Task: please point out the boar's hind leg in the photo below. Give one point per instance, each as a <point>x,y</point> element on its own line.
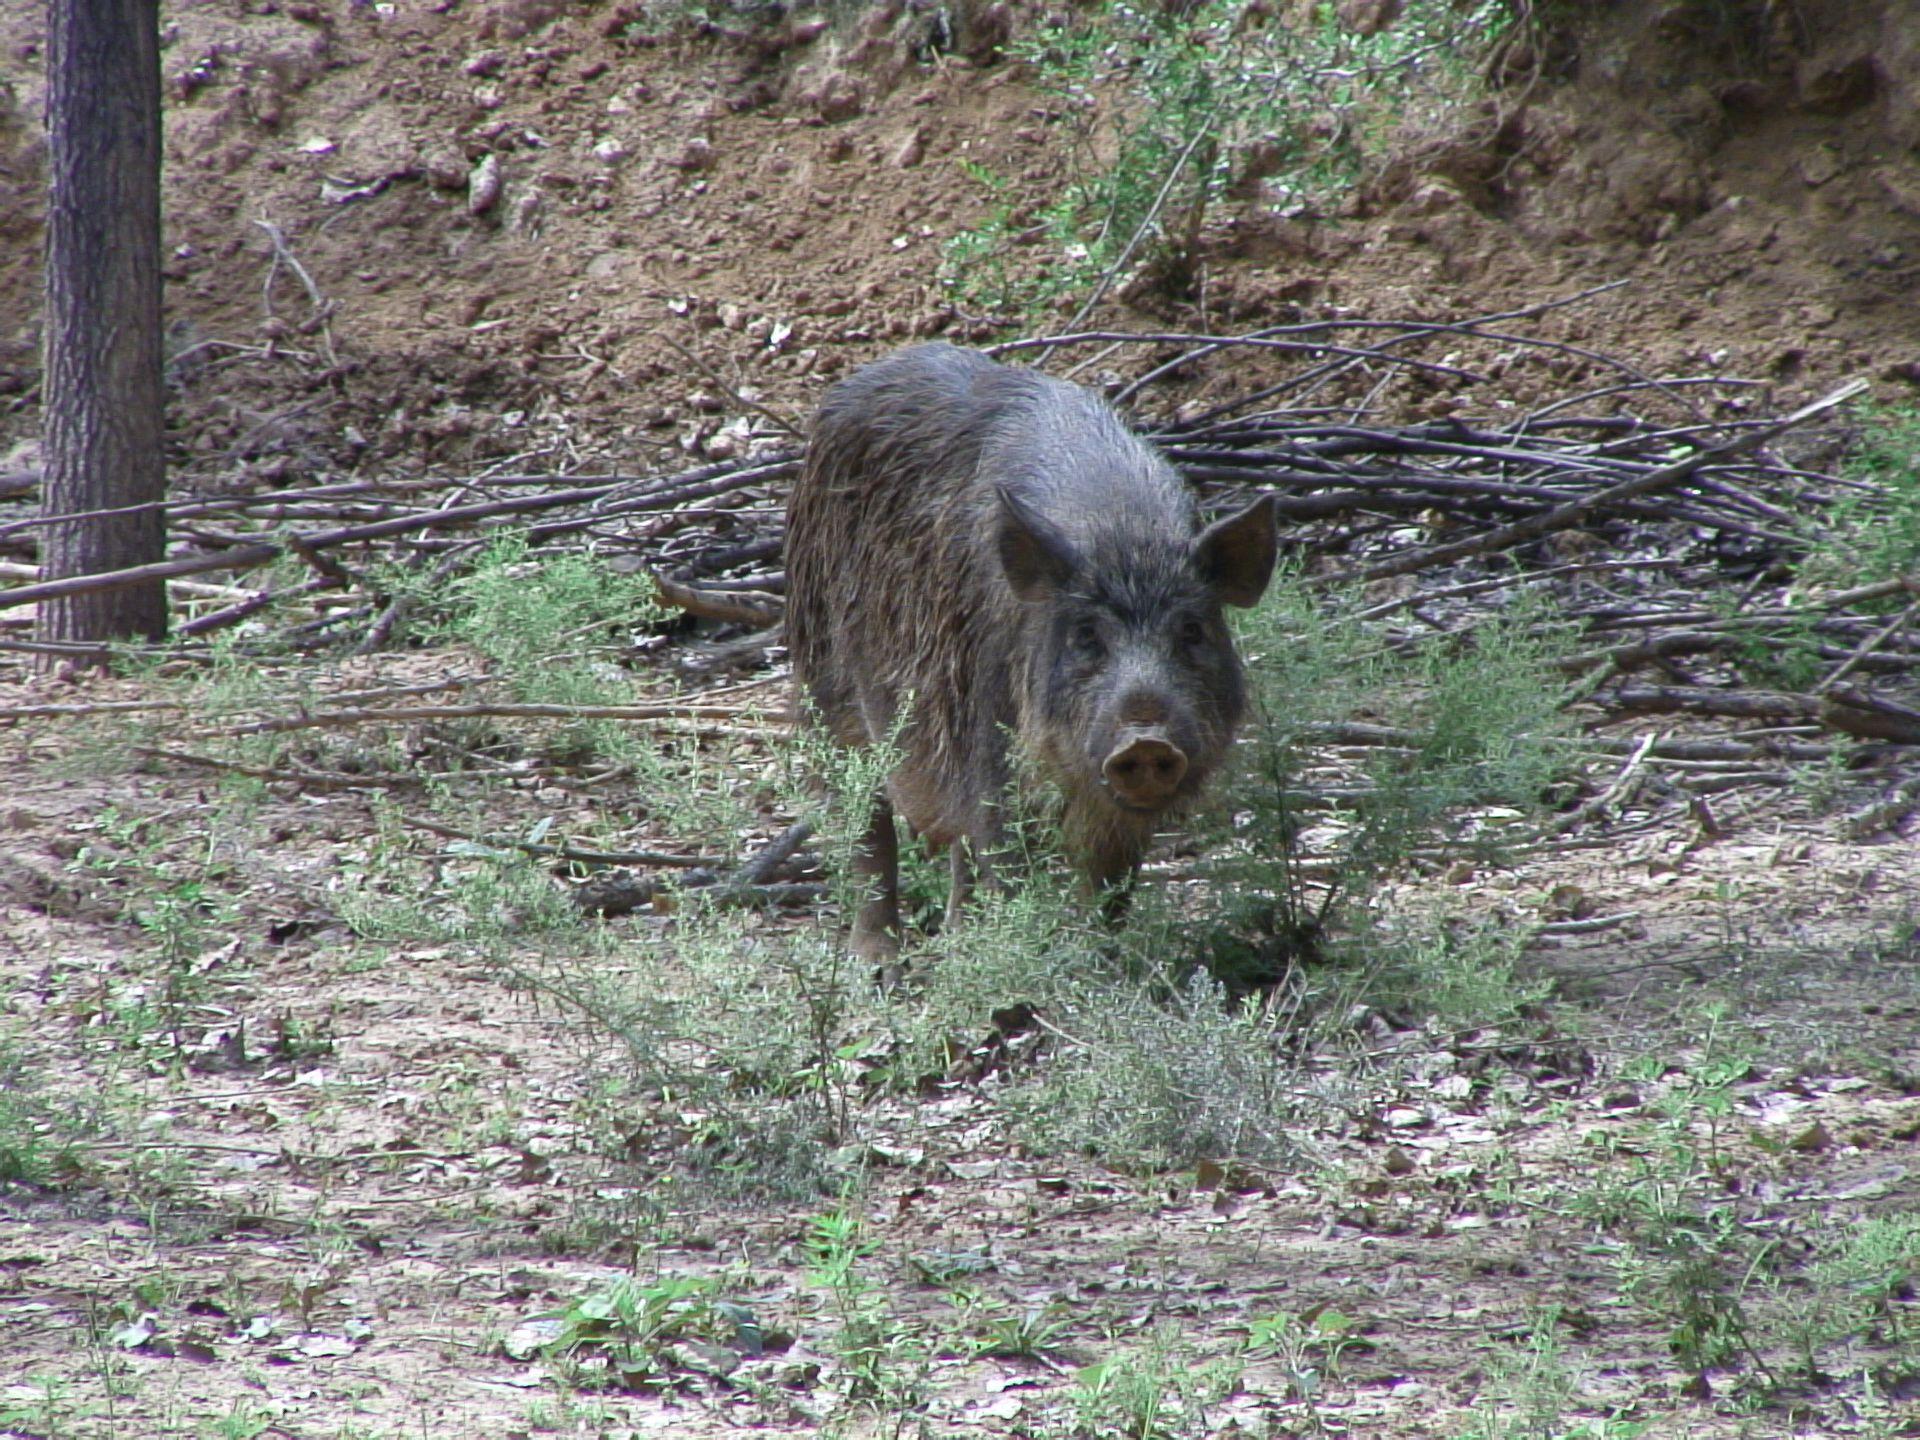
<point>876,929</point>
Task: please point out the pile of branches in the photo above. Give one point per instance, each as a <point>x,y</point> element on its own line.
<point>1675,544</point>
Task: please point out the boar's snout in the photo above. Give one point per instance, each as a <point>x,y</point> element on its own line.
<point>1145,769</point>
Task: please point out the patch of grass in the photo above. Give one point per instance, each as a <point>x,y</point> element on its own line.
<point>1531,1389</point>
<point>243,1421</point>
<point>40,1135</point>
<point>1863,1284</point>
<point>42,1404</point>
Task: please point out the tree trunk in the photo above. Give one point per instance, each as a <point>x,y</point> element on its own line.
<point>102,396</point>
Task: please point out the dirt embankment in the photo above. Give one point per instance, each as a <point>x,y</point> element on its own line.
<point>520,228</point>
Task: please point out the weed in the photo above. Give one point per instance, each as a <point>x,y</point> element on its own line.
<point>1531,1389</point>
<point>1021,1334</point>
<point>41,1405</point>
<point>885,1360</point>
<point>243,1421</point>
<point>616,1335</point>
<point>974,267</point>
<point>1874,531</point>
<point>1861,1286</point>
<point>547,621</point>
<point>1309,1347</point>
<point>39,1139</point>
<point>1689,1254</point>
<point>1160,1391</point>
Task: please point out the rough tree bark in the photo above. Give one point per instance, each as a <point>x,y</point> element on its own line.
<point>103,398</point>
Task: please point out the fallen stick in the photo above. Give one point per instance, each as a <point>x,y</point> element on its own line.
<point>735,608</point>
<point>560,852</point>
<point>11,570</point>
<point>249,557</point>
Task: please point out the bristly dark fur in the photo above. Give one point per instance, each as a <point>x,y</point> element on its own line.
<point>900,583</point>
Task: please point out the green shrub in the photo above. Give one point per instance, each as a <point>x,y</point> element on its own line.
<point>1168,107</point>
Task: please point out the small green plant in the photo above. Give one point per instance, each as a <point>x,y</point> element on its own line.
<point>170,891</point>
<point>243,1421</point>
<point>974,267</point>
<point>546,621</point>
<point>1688,1253</point>
<point>1020,1334</point>
<point>39,1137</point>
<point>885,1359</point>
<point>615,1335</point>
<point>1531,1388</point>
<point>49,1409</point>
<point>1161,1391</point>
<point>1309,1347</point>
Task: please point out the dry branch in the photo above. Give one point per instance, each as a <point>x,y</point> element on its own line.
<point>393,714</point>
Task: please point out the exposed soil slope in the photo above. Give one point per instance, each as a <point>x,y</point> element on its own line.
<point>769,206</point>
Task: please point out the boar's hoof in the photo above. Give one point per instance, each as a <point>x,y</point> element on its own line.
<point>1145,769</point>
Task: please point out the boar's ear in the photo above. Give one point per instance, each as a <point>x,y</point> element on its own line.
<point>1236,554</point>
<point>1034,554</point>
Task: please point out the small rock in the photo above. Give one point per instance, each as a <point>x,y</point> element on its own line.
<point>1431,197</point>
<point>483,185</point>
<point>1901,188</point>
<point>525,213</point>
<point>1819,167</point>
<point>836,97</point>
<point>697,154</point>
<point>487,62</point>
<point>911,152</point>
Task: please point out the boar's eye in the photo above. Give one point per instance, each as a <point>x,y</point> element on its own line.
<point>1085,641</point>
<point>1193,632</point>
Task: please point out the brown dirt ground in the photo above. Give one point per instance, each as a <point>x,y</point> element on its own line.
<point>360,1219</point>
<point>371,1165</point>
